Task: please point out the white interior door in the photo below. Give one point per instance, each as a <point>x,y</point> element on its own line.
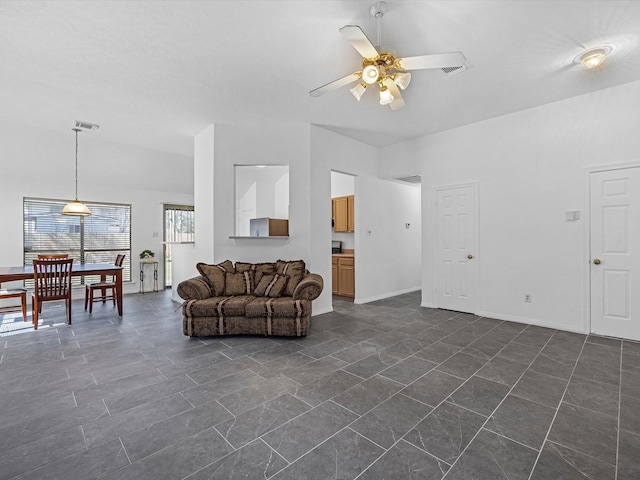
<point>615,253</point>
<point>455,285</point>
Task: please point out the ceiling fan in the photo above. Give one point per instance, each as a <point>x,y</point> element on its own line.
<point>382,67</point>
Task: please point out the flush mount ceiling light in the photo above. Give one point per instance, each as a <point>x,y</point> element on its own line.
<point>77,208</point>
<point>594,57</point>
<point>382,67</point>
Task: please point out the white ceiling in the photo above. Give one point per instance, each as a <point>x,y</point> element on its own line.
<point>155,73</point>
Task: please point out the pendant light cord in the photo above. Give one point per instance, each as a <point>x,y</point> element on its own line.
<point>77,130</point>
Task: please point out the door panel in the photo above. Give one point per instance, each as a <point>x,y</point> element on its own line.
<point>456,238</point>
<point>615,239</point>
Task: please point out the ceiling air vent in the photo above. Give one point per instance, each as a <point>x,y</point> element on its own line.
<point>86,125</point>
<point>454,70</point>
<point>413,179</point>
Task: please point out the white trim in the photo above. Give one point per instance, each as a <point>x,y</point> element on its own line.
<point>476,280</point>
<point>321,312</point>
<point>530,321</point>
<point>386,295</point>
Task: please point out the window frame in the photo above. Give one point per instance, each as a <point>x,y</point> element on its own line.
<point>29,219</point>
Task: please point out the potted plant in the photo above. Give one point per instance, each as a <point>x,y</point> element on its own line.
<point>146,254</point>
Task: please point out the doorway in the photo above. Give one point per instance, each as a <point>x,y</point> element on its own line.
<point>456,245</point>
<point>343,267</point>
<point>615,252</point>
<point>178,228</point>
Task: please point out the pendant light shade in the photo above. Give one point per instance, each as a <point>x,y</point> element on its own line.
<point>76,208</point>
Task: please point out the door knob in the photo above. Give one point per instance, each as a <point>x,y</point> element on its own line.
<point>469,256</point>
<point>596,261</point>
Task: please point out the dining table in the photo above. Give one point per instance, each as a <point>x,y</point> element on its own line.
<point>12,274</point>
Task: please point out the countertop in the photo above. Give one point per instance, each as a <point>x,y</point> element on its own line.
<point>342,255</point>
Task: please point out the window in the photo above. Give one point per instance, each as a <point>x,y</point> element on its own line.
<point>94,239</point>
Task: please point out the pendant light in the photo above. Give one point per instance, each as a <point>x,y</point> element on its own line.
<point>76,208</point>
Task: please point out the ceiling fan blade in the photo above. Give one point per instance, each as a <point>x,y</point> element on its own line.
<point>398,101</point>
<point>341,82</point>
<point>359,40</point>
<point>438,60</point>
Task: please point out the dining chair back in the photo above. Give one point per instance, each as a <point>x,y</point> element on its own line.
<point>21,293</point>
<point>108,288</point>
<point>52,281</point>
<point>60,256</point>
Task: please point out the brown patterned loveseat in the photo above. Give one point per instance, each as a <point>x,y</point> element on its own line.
<point>249,298</point>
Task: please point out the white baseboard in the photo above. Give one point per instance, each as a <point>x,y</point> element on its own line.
<point>321,311</point>
<point>531,321</point>
<point>385,295</point>
<point>427,305</point>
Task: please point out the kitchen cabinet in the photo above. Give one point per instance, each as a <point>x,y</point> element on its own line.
<point>343,275</point>
<point>343,209</point>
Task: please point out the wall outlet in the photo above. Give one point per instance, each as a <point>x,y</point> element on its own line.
<point>527,298</point>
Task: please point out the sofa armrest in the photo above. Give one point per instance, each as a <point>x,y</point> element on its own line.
<point>195,288</point>
<point>309,288</point>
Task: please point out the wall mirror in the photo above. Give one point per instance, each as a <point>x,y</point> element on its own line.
<point>262,200</point>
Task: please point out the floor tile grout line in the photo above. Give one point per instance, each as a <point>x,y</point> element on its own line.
<point>501,402</point>
<point>619,411</point>
<point>553,420</point>
<point>443,401</point>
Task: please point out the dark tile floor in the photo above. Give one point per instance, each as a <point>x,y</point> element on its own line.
<point>387,390</point>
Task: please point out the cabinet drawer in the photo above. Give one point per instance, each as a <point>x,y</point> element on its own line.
<point>345,261</point>
<point>334,260</point>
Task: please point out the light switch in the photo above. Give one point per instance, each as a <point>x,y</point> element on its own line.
<point>573,215</point>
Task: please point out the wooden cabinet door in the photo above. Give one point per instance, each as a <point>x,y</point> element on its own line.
<point>346,277</point>
<point>351,224</point>
<point>334,276</point>
<point>340,219</point>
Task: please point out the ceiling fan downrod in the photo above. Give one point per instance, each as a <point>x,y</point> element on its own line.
<point>377,11</point>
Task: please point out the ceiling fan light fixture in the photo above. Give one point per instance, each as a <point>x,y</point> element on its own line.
<point>594,57</point>
<point>385,96</point>
<point>370,74</point>
<point>402,79</point>
<point>359,90</point>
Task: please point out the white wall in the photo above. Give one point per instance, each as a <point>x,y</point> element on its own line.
<point>530,168</point>
<point>380,205</point>
<point>40,163</point>
<point>185,257</point>
<point>261,144</point>
<point>388,255</point>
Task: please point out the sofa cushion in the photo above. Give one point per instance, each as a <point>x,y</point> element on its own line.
<point>215,275</point>
<point>238,283</point>
<point>295,270</point>
<point>259,269</point>
<point>277,307</point>
<point>271,285</point>
<point>217,306</point>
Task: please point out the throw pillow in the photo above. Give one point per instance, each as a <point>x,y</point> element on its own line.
<point>258,269</point>
<point>239,283</point>
<point>215,275</point>
<point>295,270</point>
<point>271,285</point>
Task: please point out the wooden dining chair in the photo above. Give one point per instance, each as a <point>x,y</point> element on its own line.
<point>52,281</point>
<point>103,285</point>
<point>21,293</point>
<point>61,256</point>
